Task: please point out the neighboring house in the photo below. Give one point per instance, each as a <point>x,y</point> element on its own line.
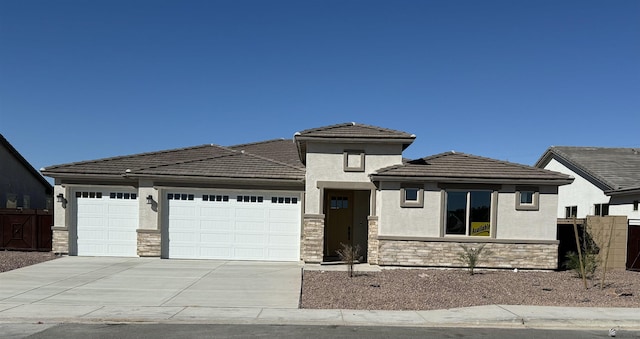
<point>301,199</point>
<point>21,186</point>
<point>607,180</point>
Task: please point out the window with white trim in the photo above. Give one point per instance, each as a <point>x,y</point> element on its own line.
<point>570,212</point>
<point>601,209</point>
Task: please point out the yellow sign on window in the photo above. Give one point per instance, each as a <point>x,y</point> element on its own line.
<point>480,228</point>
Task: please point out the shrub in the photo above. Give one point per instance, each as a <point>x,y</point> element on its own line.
<point>591,263</point>
<point>470,256</point>
<point>350,255</point>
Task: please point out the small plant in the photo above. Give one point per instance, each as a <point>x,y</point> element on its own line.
<point>590,259</point>
<point>470,256</point>
<point>350,255</point>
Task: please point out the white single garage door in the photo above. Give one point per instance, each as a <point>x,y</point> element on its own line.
<point>106,222</point>
<point>234,225</point>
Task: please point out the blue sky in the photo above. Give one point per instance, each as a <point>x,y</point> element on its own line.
<point>82,80</point>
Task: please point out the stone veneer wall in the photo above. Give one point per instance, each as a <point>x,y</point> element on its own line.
<point>149,243</point>
<point>373,243</point>
<point>60,243</point>
<point>312,238</point>
<point>445,253</point>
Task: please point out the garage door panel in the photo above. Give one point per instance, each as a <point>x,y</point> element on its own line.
<point>106,225</point>
<point>238,228</point>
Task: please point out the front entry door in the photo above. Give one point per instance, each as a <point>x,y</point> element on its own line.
<point>339,222</point>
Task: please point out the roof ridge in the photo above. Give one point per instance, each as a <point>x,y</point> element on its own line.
<point>273,161</point>
<point>234,153</point>
<point>259,142</point>
<point>330,127</point>
<point>136,155</point>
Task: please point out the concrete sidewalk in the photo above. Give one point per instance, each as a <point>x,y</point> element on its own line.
<point>480,316</point>
<point>114,290</point>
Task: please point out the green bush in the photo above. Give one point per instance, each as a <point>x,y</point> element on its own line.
<point>591,263</point>
<point>470,256</point>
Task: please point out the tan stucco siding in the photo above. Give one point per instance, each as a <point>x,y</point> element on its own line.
<point>409,221</point>
<point>325,162</point>
<point>426,221</point>
<point>538,224</point>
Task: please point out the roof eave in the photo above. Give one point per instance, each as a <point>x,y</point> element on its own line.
<point>214,178</point>
<point>519,181</point>
<point>625,191</point>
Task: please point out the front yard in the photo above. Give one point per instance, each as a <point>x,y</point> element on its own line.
<point>425,289</point>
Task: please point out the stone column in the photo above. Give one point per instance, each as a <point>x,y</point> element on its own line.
<point>149,243</point>
<point>312,238</point>
<point>373,243</point>
<point>60,243</point>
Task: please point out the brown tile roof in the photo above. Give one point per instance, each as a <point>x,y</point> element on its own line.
<point>351,132</point>
<point>461,167</point>
<point>354,130</point>
<point>206,161</point>
<point>282,150</point>
<point>614,169</point>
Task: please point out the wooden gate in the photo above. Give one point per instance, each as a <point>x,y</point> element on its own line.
<point>633,245</point>
<point>28,230</point>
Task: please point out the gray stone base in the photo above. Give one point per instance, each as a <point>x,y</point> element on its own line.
<point>446,253</point>
<point>372,242</point>
<point>60,241</point>
<point>149,243</point>
<point>312,238</point>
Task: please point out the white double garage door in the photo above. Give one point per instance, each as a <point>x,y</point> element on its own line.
<point>198,224</point>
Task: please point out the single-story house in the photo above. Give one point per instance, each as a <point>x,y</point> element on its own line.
<point>607,180</point>
<point>301,199</point>
<point>21,186</point>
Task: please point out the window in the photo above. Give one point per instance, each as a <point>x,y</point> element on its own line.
<point>339,203</point>
<point>411,196</point>
<point>468,213</point>
<point>635,205</point>
<point>527,198</point>
<point>601,209</point>
<point>570,212</point>
<point>353,161</point>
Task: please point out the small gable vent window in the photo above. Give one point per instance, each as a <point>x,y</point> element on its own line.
<point>353,161</point>
<point>527,198</point>
<point>635,205</point>
<point>411,195</point>
<point>571,212</point>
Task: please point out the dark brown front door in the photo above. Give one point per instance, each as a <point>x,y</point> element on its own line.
<point>339,221</point>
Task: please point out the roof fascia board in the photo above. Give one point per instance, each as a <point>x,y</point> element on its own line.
<point>184,178</point>
<point>626,191</point>
<point>555,182</point>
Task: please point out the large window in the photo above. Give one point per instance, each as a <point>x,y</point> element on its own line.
<point>468,213</point>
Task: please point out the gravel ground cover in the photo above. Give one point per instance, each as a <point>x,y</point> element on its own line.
<point>426,289</point>
<point>10,260</point>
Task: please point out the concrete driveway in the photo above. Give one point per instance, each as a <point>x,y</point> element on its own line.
<point>142,282</point>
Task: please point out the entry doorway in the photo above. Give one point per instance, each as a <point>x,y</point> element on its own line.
<point>346,213</point>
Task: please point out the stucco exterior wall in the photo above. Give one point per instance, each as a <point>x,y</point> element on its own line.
<point>427,221</point>
<point>518,224</point>
<point>623,205</point>
<point>325,162</point>
<point>409,221</point>
<point>17,180</point>
<point>581,192</point>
